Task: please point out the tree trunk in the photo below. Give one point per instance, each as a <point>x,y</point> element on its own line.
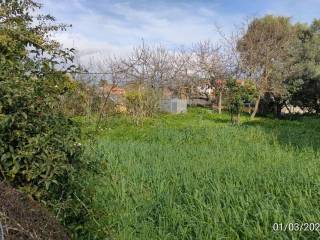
<point>103,107</point>
<point>231,117</point>
<point>256,108</point>
<point>220,102</point>
<point>278,108</point>
<point>238,118</point>
<point>287,107</point>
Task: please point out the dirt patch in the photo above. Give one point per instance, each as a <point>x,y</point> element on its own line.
<point>24,218</point>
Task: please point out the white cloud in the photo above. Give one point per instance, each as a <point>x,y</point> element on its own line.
<point>112,28</point>
<point>88,49</point>
<point>96,33</point>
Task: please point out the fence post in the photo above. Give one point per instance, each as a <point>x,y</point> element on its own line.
<point>1,232</point>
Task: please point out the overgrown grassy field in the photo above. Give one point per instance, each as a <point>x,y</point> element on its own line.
<point>195,176</point>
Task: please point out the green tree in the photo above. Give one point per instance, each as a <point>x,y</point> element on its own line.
<point>265,53</point>
<point>237,94</point>
<point>38,145</point>
<point>307,67</point>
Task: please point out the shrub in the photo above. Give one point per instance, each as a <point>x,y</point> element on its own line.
<point>38,144</point>
<point>82,99</point>
<point>36,152</point>
<point>142,102</point>
<point>237,95</point>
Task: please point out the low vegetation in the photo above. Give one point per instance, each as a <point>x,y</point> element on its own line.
<point>195,176</point>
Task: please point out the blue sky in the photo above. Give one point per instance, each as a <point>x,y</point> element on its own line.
<point>111,27</point>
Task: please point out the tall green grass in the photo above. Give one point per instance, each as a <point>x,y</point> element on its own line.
<point>194,176</point>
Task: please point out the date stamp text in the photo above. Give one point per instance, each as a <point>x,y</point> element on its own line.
<point>296,227</point>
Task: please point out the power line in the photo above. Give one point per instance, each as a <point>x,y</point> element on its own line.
<point>91,73</point>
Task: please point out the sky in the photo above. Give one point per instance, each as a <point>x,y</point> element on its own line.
<point>110,27</point>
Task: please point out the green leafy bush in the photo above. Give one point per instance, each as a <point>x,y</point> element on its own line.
<point>36,152</point>
<point>38,144</point>
<point>237,95</point>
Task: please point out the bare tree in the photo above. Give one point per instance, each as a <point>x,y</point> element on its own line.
<point>210,65</point>
<point>157,67</point>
